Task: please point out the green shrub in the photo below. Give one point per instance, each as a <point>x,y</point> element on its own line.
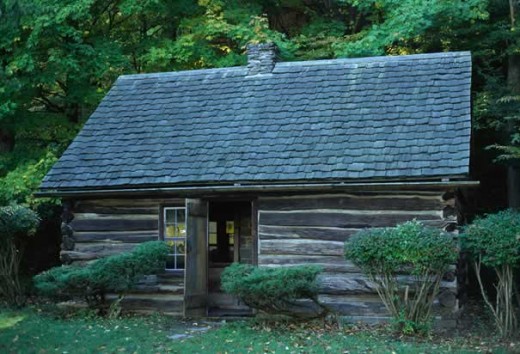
<point>117,274</point>
<point>17,223</point>
<point>274,290</point>
<point>494,241</point>
<point>409,248</point>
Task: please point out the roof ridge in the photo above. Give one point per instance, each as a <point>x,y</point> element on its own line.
<point>381,58</point>
<point>384,58</point>
<point>182,72</point>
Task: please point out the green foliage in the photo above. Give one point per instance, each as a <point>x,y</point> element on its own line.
<point>494,241</point>
<point>402,26</point>
<point>40,140</point>
<point>59,58</point>
<point>117,273</point>
<point>511,120</point>
<point>16,224</point>
<point>272,290</point>
<point>409,248</point>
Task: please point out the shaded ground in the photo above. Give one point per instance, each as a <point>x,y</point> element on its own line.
<point>30,331</point>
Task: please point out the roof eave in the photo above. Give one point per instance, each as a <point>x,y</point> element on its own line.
<point>257,188</point>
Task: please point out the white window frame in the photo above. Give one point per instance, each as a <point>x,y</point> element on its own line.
<point>165,238</point>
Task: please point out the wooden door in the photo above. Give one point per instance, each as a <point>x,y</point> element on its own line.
<point>196,274</point>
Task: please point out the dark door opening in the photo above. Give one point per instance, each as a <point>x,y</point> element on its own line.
<point>229,240</point>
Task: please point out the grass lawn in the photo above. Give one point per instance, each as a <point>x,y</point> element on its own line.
<point>30,331</point>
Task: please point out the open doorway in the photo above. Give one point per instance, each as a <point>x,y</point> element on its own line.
<point>230,239</point>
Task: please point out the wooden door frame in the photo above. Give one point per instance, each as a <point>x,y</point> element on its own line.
<point>196,272</point>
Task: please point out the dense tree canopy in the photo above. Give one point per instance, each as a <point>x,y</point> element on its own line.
<point>59,58</point>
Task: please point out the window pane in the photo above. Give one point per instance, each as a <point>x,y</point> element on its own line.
<point>180,262</point>
<point>181,230</point>
<point>181,215</point>
<point>180,247</point>
<point>170,262</point>
<point>169,216</point>
<point>213,227</point>
<point>213,239</point>
<point>170,231</point>
<point>230,227</point>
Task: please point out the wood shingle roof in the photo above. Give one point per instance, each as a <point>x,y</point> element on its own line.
<point>405,117</point>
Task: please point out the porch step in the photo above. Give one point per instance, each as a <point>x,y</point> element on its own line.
<point>229,312</point>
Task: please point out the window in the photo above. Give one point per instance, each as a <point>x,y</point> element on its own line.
<point>221,241</point>
<point>174,234</point>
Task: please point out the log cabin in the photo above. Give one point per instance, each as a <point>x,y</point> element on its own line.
<point>274,164</point>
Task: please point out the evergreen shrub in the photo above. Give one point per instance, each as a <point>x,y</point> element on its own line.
<point>275,290</point>
<point>113,274</point>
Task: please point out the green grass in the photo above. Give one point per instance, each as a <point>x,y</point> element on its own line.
<point>29,331</point>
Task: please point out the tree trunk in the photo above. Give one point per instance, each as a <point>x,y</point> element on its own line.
<point>513,173</point>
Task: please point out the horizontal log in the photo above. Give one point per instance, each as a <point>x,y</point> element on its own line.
<point>305,232</point>
<point>104,248</point>
<point>369,305</point>
<point>75,256</point>
<point>357,283</point>
<point>122,236</point>
<point>151,297</point>
<point>342,218</point>
<point>301,247</point>
<point>171,278</point>
<point>336,264</point>
<point>128,202</point>
<point>95,216</point>
<point>352,201</point>
<point>342,284</point>
<point>88,252</point>
<point>158,289</point>
<point>115,225</point>
<point>116,210</point>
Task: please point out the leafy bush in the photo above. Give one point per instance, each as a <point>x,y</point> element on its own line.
<point>274,290</point>
<point>409,248</point>
<point>117,273</point>
<point>17,223</point>
<point>494,241</point>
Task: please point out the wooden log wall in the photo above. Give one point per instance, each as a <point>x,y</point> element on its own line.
<point>244,233</point>
<point>104,227</point>
<point>312,229</point>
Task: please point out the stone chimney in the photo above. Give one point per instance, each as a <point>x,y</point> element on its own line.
<point>261,58</point>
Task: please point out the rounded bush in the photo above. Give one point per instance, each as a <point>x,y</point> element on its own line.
<point>494,241</point>
<point>408,249</point>
<point>494,238</point>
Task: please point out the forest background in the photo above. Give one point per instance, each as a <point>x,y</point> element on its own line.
<point>58,58</point>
